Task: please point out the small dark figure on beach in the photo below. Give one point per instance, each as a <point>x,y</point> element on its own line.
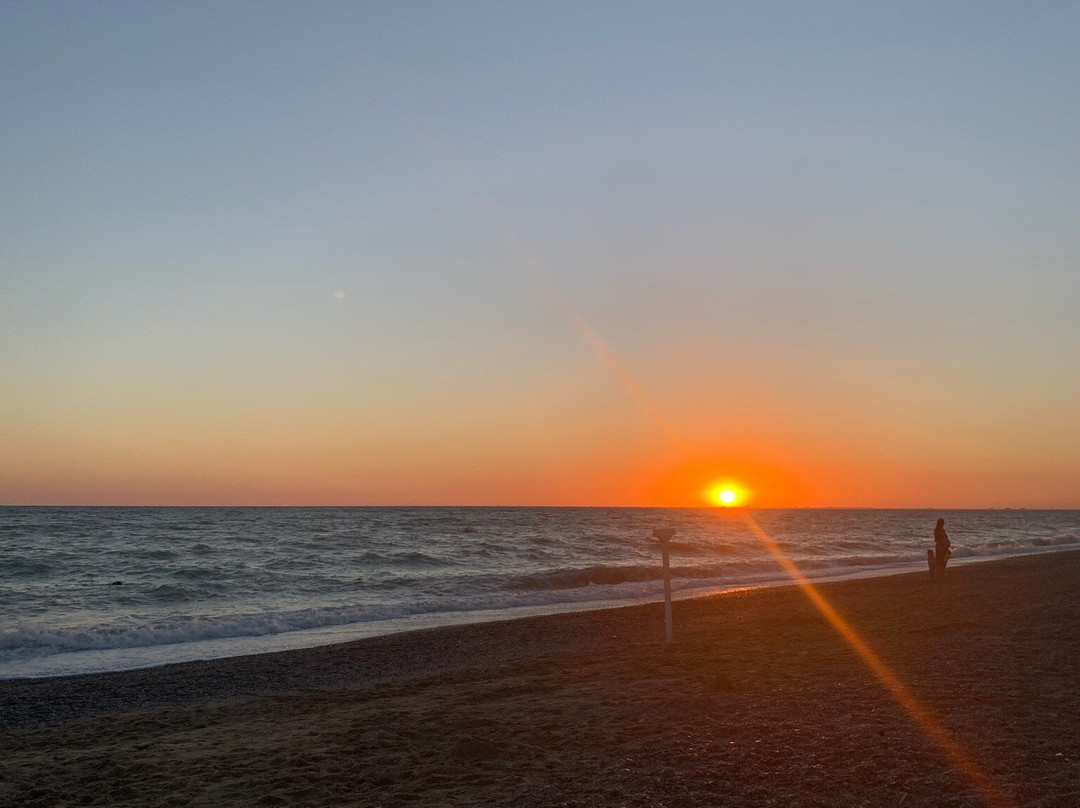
<point>942,550</point>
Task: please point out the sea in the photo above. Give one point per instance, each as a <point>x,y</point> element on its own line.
<point>84,590</point>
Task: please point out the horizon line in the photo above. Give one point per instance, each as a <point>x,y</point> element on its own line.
<point>719,508</point>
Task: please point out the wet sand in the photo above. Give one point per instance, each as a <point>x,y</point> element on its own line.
<point>758,702</point>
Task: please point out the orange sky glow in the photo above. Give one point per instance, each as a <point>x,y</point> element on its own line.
<point>579,430</point>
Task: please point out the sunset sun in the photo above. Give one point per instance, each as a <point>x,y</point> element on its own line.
<point>726,495</point>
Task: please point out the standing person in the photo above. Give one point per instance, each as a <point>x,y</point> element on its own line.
<point>942,549</point>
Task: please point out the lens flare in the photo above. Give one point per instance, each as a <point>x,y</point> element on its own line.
<point>958,757</point>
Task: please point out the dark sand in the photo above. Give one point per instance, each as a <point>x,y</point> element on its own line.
<point>759,702</point>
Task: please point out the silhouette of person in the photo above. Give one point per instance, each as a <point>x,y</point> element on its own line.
<point>942,549</point>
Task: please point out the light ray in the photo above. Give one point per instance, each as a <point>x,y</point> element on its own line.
<point>484,204</point>
<point>594,340</point>
<point>962,762</point>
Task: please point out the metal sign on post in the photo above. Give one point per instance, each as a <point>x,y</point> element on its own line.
<point>664,536</point>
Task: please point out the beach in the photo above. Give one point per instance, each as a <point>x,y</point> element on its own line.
<point>759,701</point>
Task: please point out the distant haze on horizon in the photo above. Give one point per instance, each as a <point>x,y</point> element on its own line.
<point>562,254</point>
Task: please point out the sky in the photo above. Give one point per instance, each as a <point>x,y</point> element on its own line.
<point>540,254</point>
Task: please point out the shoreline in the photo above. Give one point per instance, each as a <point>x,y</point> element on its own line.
<point>757,701</point>
<point>205,650</point>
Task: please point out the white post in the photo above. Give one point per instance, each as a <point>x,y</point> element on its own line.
<point>664,536</point>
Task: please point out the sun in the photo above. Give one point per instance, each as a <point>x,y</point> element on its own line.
<point>726,495</point>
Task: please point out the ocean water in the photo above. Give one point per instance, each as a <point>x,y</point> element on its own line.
<point>94,589</point>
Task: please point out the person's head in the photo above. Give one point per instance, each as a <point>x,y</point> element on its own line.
<point>941,523</point>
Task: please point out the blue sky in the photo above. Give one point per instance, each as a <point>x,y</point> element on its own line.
<point>844,213</point>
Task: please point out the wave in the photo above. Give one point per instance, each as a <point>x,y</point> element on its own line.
<point>406,558</point>
<point>727,572</point>
<point>171,593</point>
<point>587,576</point>
<point>159,555</point>
<point>1006,547</point>
<point>1060,540</point>
<point>735,571</point>
<point>714,548</point>
<point>23,640</point>
<point>25,567</point>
